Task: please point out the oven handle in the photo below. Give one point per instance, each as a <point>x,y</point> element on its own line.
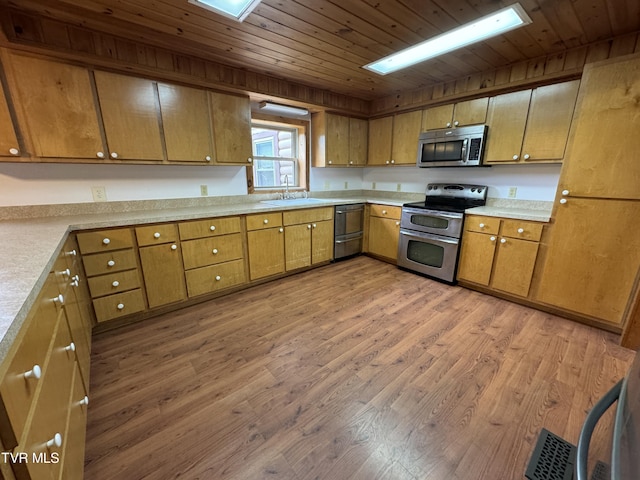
<point>428,236</point>
<point>435,213</point>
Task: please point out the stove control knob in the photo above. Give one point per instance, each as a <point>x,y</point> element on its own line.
<point>473,190</point>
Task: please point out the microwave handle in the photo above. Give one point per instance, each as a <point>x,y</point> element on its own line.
<point>465,143</point>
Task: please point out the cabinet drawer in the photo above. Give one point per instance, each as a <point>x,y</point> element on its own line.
<point>474,223</point>
<point>209,227</point>
<point>105,240</point>
<point>295,217</point>
<point>101,263</point>
<point>386,211</point>
<point>156,234</point>
<point>264,220</point>
<point>215,277</point>
<point>118,305</point>
<point>209,251</point>
<point>114,283</point>
<point>522,229</point>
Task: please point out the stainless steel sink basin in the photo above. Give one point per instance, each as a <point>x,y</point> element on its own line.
<point>293,201</point>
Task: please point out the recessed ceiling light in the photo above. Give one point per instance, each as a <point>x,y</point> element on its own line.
<point>236,9</point>
<point>486,27</point>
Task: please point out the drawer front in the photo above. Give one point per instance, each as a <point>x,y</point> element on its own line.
<point>156,234</point>
<point>264,220</point>
<point>18,391</point>
<point>307,215</point>
<point>215,277</point>
<point>105,240</point>
<point>209,251</point>
<point>209,227</point>
<point>386,211</point>
<point>114,283</point>
<point>522,229</point>
<point>101,263</point>
<point>475,223</point>
<point>118,305</point>
<point>79,329</point>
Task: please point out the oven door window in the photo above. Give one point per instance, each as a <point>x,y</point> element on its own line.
<point>451,151</point>
<point>425,253</point>
<point>430,222</point>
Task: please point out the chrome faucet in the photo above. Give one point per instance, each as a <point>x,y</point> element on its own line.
<point>286,191</point>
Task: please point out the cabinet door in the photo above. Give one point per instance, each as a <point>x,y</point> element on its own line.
<point>406,130</point>
<point>514,263</point>
<point>470,112</point>
<point>358,139</point>
<point>231,128</point>
<point>601,159</point>
<point>163,274</point>
<point>186,123</point>
<point>592,257</point>
<point>380,135</point>
<point>337,139</point>
<point>437,117</point>
<point>507,118</point>
<point>266,252</point>
<point>73,464</point>
<point>297,246</point>
<point>549,119</point>
<point>476,257</point>
<point>322,241</point>
<point>383,237</point>
<point>131,116</point>
<point>59,108</point>
<point>8,140</point>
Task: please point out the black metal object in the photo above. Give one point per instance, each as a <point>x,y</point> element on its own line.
<point>552,459</point>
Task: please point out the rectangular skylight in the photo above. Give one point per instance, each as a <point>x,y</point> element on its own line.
<point>235,9</point>
<point>486,27</point>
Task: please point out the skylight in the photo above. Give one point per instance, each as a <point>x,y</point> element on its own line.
<point>486,27</point>
<point>235,9</point>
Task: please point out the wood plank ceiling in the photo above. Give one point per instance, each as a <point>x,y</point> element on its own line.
<point>324,43</point>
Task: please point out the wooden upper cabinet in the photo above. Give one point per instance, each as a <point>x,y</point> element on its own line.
<point>380,137</point>
<point>231,116</point>
<point>469,112</point>
<point>9,146</point>
<point>358,141</point>
<point>131,116</point>
<point>601,159</point>
<point>186,123</point>
<point>338,140</point>
<point>58,108</point>
<point>406,130</point>
<point>507,119</point>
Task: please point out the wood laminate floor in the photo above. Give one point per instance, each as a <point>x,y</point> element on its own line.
<point>355,370</point>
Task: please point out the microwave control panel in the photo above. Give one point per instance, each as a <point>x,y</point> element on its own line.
<point>474,149</point>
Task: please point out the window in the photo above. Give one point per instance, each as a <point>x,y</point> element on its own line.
<point>278,156</point>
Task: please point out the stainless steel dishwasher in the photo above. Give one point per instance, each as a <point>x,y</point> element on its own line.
<point>348,230</point>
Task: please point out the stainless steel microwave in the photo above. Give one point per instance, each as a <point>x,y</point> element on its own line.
<point>452,147</point>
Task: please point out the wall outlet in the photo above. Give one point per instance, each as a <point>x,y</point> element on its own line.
<point>513,191</point>
<point>99,194</point>
<point>204,191</point>
<point>373,185</point>
<point>399,187</point>
<point>346,185</point>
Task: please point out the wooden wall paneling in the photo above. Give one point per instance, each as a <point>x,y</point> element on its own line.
<point>623,45</point>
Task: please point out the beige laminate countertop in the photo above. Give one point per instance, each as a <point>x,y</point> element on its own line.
<point>30,245</point>
<point>517,210</point>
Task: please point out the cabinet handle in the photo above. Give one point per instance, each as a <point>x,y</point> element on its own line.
<point>281,230</point>
<point>330,162</point>
<point>563,201</point>
<point>492,238</point>
<point>115,283</point>
<point>456,123</point>
<point>521,230</point>
<point>350,162</point>
<point>111,263</point>
<point>249,159</point>
<point>120,306</point>
<point>106,241</point>
<point>100,154</point>
<point>70,348</point>
<point>56,441</point>
<point>565,193</point>
<point>314,225</point>
<point>66,273</point>
<point>527,156</point>
<point>397,223</point>
<point>114,155</point>
<point>59,299</point>
<point>75,283</point>
<point>393,161</point>
<point>218,278</point>
<point>384,212</point>
<point>35,372</point>
<point>503,240</point>
<point>174,247</point>
<point>448,124</point>
<point>156,235</point>
<point>309,227</point>
<point>14,151</point>
<point>387,162</point>
<point>84,401</point>
<point>265,221</point>
<point>515,157</point>
<point>207,158</point>
<point>212,228</point>
<point>214,251</point>
<point>72,253</point>
<point>481,225</point>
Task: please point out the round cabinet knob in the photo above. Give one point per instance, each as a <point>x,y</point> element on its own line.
<point>100,154</point>
<point>214,251</point>
<point>59,299</point>
<point>330,162</point>
<point>111,263</point>
<point>218,278</point>
<point>120,306</point>
<point>114,155</point>
<point>66,273</point>
<point>481,225</point>
<point>265,221</point>
<point>84,401</point>
<point>281,230</point>
<point>309,227</point>
<point>314,225</point>
<point>115,283</point>
<point>493,239</point>
<point>521,230</point>
<point>212,228</point>
<point>456,123</point>
<point>448,124</point>
<point>350,162</point>
<point>384,212</point>
<point>565,193</point>
<point>397,224</point>
<point>106,241</point>
<point>56,441</point>
<point>249,160</point>
<point>503,240</point>
<point>156,235</point>
<point>75,283</point>
<point>563,201</point>
<point>207,158</point>
<point>14,151</point>
<point>393,161</point>
<point>71,347</point>
<point>76,278</point>
<point>72,253</point>
<point>174,247</point>
<point>515,157</point>
<point>35,372</point>
<point>387,162</point>
<point>527,156</point>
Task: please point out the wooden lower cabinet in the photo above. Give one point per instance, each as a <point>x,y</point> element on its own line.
<point>308,237</point>
<point>266,252</point>
<point>476,257</point>
<point>384,231</point>
<point>163,274</point>
<point>215,277</point>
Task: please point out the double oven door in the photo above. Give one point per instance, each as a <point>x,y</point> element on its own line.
<point>429,242</point>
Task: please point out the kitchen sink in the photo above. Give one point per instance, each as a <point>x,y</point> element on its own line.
<point>293,201</point>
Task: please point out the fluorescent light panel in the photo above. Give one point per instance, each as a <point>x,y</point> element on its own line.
<point>282,109</point>
<point>235,9</point>
<point>489,26</point>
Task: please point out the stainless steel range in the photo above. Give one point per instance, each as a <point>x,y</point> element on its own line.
<point>430,231</point>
